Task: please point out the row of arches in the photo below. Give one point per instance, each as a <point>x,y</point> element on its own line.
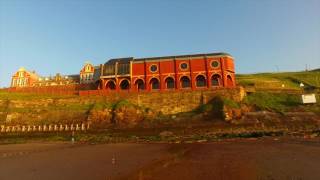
<point>154,83</point>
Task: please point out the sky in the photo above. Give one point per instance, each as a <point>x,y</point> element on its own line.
<point>58,36</point>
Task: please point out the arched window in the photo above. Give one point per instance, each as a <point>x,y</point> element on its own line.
<point>201,81</point>
<point>215,80</point>
<point>125,84</point>
<point>170,83</point>
<point>185,82</point>
<point>229,81</point>
<point>111,85</point>
<point>154,82</point>
<point>139,84</point>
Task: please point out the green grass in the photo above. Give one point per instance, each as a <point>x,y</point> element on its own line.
<point>30,96</point>
<point>231,103</point>
<point>275,80</point>
<point>273,102</point>
<point>123,103</point>
<point>100,105</point>
<point>53,107</point>
<point>70,107</point>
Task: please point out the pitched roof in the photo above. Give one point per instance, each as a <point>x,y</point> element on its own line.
<point>183,56</point>
<point>128,59</point>
<point>122,60</point>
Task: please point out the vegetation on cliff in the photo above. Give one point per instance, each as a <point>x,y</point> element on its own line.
<point>290,80</point>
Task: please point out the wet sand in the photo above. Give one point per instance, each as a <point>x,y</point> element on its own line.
<point>266,158</point>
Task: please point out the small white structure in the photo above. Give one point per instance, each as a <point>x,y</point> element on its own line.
<point>309,99</point>
<point>301,85</point>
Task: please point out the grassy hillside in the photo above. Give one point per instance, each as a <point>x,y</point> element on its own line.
<point>290,80</point>
<point>4,95</point>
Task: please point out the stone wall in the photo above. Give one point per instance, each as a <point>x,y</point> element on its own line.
<point>177,101</point>
<point>75,109</point>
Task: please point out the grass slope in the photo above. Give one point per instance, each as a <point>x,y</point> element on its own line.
<point>291,80</point>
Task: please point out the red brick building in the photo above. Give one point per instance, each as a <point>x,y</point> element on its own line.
<point>196,71</point>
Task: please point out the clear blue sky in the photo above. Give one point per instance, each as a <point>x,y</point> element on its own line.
<point>60,35</point>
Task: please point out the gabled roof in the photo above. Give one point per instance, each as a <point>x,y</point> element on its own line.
<point>31,73</point>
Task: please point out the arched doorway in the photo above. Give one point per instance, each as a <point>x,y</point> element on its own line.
<point>139,84</point>
<point>185,82</point>
<point>125,84</point>
<point>201,81</point>
<point>216,80</point>
<point>229,81</point>
<point>155,84</point>
<point>170,83</point>
<point>111,85</point>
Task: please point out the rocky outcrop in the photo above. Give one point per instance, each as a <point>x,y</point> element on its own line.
<point>121,114</point>
<point>128,116</point>
<point>100,118</point>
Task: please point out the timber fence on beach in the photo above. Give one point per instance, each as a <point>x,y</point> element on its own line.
<point>44,128</point>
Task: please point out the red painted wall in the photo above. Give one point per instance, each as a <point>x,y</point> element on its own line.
<point>204,67</point>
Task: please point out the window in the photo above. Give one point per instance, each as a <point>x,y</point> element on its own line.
<point>153,68</point>
<point>201,81</point>
<point>215,80</point>
<point>124,84</point>
<point>170,83</point>
<point>185,82</point>
<point>139,84</point>
<point>111,85</point>
<point>109,70</point>
<point>184,66</point>
<point>215,64</point>
<point>155,83</point>
<point>229,81</point>
<point>123,68</point>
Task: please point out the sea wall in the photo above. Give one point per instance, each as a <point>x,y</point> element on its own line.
<point>37,110</point>
<point>172,102</point>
